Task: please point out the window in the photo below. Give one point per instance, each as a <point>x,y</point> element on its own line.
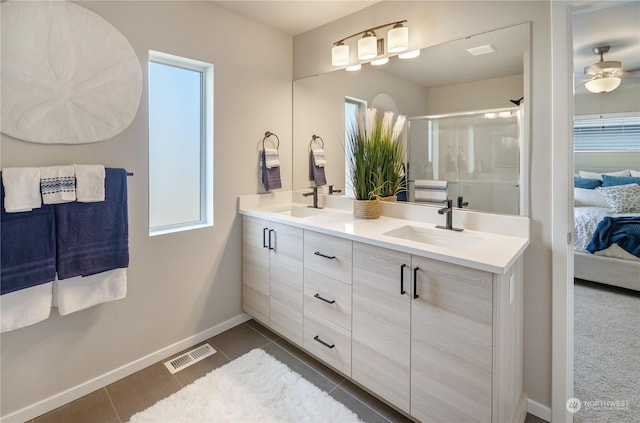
<point>615,133</point>
<point>180,144</point>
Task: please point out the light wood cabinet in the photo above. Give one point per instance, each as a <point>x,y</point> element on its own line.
<point>438,341</point>
<point>382,322</point>
<point>451,342</point>
<point>272,276</point>
<point>327,299</point>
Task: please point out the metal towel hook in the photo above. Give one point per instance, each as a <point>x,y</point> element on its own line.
<point>315,138</point>
<point>267,135</point>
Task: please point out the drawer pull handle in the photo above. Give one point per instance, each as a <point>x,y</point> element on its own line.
<point>318,253</point>
<point>402,291</point>
<point>415,283</point>
<point>324,299</point>
<point>317,338</point>
<point>271,247</point>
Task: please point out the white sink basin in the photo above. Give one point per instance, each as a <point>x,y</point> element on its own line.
<point>437,237</point>
<point>301,211</point>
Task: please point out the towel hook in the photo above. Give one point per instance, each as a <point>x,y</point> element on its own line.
<point>267,135</point>
<point>315,138</point>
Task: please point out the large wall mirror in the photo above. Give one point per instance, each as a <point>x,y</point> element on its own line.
<point>457,104</point>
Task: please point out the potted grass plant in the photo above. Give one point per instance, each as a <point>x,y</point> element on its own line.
<point>375,160</point>
<point>391,156</point>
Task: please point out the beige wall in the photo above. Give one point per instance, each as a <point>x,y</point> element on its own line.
<point>434,22</point>
<point>179,284</point>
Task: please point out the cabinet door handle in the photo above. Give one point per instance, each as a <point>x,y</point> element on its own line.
<point>272,247</point>
<point>317,338</point>
<point>264,237</point>
<point>318,253</point>
<point>324,299</point>
<point>402,291</point>
<point>415,283</point>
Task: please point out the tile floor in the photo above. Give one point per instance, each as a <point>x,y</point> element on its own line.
<point>117,402</point>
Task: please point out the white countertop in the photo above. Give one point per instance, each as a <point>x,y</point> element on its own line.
<point>487,251</point>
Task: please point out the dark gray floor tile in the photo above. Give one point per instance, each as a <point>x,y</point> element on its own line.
<point>238,341</point>
<point>304,370</point>
<point>262,329</point>
<point>373,402</point>
<point>363,411</point>
<point>533,419</point>
<point>92,408</point>
<point>309,360</point>
<point>199,369</point>
<point>141,390</point>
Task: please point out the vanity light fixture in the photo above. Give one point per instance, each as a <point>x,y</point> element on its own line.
<point>381,61</point>
<point>409,54</point>
<point>398,38</point>
<point>369,46</point>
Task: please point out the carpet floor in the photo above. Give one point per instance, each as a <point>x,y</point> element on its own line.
<point>606,353</point>
<point>253,388</point>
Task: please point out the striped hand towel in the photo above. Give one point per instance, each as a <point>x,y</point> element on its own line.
<point>58,184</point>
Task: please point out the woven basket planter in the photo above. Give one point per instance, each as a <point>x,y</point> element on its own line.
<point>367,209</point>
<point>390,199</point>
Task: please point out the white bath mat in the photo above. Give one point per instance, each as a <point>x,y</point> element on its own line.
<point>253,388</point>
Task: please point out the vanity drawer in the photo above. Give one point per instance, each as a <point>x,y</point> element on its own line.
<point>328,341</point>
<point>328,298</point>
<point>328,255</point>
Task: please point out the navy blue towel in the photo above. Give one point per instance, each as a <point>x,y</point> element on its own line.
<point>624,231</point>
<point>270,177</point>
<point>28,247</point>
<point>94,237</point>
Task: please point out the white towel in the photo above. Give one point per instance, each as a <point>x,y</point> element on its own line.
<point>89,183</point>
<point>75,294</point>
<point>21,189</point>
<point>319,158</point>
<point>271,158</point>
<point>429,195</point>
<point>57,184</point>
<point>25,307</point>
<point>430,184</point>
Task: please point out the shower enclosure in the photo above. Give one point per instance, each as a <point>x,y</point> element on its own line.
<point>477,153</point>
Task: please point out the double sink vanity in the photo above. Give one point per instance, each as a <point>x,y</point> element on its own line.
<point>427,319</point>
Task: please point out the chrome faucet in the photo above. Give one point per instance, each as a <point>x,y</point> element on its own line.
<point>448,211</point>
<point>315,197</point>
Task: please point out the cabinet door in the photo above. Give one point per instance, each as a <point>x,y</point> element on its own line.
<point>451,343</point>
<point>286,282</point>
<point>255,268</point>
<point>382,323</point>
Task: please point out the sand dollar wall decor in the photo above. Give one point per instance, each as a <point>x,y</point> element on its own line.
<point>68,76</point>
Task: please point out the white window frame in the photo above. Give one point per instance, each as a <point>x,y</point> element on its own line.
<point>206,142</point>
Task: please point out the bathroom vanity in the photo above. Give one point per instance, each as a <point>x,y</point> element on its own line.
<point>429,320</point>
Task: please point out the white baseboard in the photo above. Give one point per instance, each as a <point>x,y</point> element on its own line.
<point>62,398</point>
<point>538,410</point>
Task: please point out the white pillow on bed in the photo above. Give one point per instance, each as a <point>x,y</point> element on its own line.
<point>583,197</point>
<point>595,175</point>
<point>622,198</point>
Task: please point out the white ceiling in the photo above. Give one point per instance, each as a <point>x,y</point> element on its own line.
<point>614,23</point>
<point>294,17</point>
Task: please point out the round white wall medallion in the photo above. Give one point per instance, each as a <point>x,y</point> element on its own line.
<point>68,76</point>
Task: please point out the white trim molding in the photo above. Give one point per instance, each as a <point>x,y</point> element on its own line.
<point>538,410</point>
